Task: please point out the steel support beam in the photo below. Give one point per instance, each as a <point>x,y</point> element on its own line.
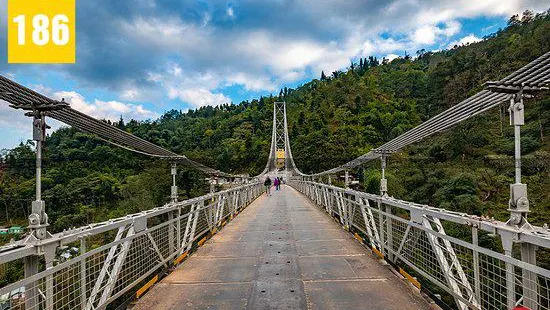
<point>529,279</point>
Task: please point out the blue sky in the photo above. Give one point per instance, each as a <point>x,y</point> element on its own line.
<point>139,58</point>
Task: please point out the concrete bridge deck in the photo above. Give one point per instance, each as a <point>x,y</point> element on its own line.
<point>282,253</point>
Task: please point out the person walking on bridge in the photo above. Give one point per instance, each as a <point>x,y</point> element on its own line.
<point>267,184</point>
<point>276,183</point>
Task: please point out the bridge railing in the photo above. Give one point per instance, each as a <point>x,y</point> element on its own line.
<point>481,263</point>
<point>90,267</point>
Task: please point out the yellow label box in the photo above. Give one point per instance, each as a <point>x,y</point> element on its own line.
<point>41,31</point>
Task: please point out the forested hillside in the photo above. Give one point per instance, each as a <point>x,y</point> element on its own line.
<point>331,120</point>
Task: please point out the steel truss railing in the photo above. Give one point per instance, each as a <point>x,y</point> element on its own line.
<point>115,256</point>
<point>415,237</point>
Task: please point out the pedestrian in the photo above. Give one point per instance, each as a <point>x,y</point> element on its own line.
<point>267,184</point>
<point>276,183</point>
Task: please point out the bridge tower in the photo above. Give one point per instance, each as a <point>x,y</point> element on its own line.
<point>280,160</point>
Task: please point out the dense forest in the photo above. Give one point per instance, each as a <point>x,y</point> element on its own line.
<point>332,119</point>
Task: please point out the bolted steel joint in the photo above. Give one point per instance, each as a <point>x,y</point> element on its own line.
<point>518,204</point>
<point>174,170</point>
<point>518,197</point>
<point>38,224</point>
<point>174,193</point>
<point>383,185</point>
<point>39,217</point>
<point>34,220</point>
<point>515,218</point>
<point>517,112</point>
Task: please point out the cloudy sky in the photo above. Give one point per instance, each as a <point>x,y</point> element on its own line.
<point>139,58</point>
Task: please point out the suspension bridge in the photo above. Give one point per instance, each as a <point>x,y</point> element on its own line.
<point>310,245</point>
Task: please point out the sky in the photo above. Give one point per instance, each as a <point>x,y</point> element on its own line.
<point>140,58</point>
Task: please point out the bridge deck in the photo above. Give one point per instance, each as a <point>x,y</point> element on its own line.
<point>282,253</point>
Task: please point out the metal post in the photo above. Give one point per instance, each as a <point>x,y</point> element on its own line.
<point>329,180</point>
<point>389,232</point>
<point>517,152</point>
<point>346,179</point>
<point>507,239</point>
<point>172,228</point>
<point>31,290</point>
<point>38,220</point>
<point>39,160</point>
<point>362,181</point>
<point>83,275</point>
<point>519,208</point>
<point>519,203</point>
<point>174,188</point>
<point>178,230</point>
<point>212,185</point>
<point>383,181</point>
<point>172,233</point>
<point>381,228</point>
<point>49,257</point>
<point>529,279</point>
<point>477,281</point>
<point>384,193</point>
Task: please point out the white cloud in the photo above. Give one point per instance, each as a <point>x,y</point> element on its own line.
<point>464,41</point>
<point>198,97</point>
<point>434,12</point>
<point>131,93</point>
<point>387,45</point>
<point>206,18</point>
<point>168,34</point>
<point>196,89</point>
<point>250,82</point>
<point>451,28</point>
<point>429,34</point>
<point>230,12</point>
<point>195,57</point>
<point>292,76</point>
<point>259,59</point>
<point>154,77</point>
<point>12,118</point>
<point>209,57</point>
<point>175,70</point>
<point>111,110</point>
<point>424,35</point>
<point>391,57</point>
